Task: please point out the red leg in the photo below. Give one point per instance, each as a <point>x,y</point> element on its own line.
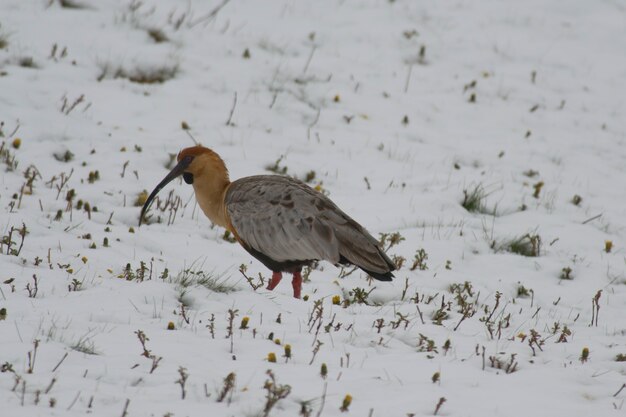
<point>297,284</point>
<point>276,277</point>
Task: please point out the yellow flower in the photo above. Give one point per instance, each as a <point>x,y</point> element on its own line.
<point>347,400</point>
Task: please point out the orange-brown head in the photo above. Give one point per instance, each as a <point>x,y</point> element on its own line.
<point>199,166</point>
<point>202,161</point>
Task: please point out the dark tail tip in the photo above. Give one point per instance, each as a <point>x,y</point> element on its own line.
<point>387,276</point>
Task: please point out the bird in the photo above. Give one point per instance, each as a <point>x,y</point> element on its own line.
<point>279,220</point>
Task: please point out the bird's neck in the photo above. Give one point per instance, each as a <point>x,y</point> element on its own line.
<point>210,192</point>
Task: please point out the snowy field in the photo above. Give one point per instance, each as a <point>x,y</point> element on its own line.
<point>485,139</point>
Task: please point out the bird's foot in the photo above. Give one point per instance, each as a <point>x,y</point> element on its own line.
<point>276,277</point>
<point>297,284</point>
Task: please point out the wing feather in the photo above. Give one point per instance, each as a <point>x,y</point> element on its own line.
<point>277,216</point>
<point>286,220</point>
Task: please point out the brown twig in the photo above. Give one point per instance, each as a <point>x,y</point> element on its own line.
<point>232,111</point>
<point>59,364</point>
<point>439,404</point>
<point>125,410</point>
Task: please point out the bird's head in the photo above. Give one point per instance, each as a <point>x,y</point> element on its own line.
<point>194,163</point>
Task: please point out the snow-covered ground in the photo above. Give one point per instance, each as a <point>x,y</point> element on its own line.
<point>399,110</point>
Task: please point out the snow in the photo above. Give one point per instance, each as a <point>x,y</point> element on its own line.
<point>326,87</point>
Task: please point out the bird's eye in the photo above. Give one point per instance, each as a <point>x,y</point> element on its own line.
<point>188,177</point>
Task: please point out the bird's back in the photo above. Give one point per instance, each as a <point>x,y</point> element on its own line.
<point>287,221</point>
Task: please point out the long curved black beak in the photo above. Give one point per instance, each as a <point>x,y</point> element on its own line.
<point>174,173</point>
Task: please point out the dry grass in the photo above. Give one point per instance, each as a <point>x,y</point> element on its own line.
<point>140,75</point>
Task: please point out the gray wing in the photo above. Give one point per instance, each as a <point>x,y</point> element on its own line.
<point>287,220</point>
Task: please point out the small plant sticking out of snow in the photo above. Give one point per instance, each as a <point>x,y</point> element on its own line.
<point>33,289</point>
<point>68,106</point>
<point>419,261</point>
<point>439,405</point>
<point>27,62</point>
<point>324,371</point>
<point>7,243</point>
<point>84,345</point>
<point>143,339</point>
<point>309,177</point>
<point>537,187</point>
<point>141,199</point>
<point>157,35</point>
<point>4,39</point>
<point>523,292</point>
<point>508,366</point>
<point>595,308</point>
<point>440,315</point>
<point>584,355</point>
<point>274,393</point>
<point>93,176</point>
<point>474,200</point>
<point>157,74</point>
<point>360,295</point>
<point>425,344</point>
<point>566,273</point>
<point>66,156</point>
<point>129,274</point>
<point>345,404</point>
<point>565,333</point>
<point>535,341</point>
<point>182,381</point>
<point>68,4</point>
<point>228,388</point>
<point>389,240</point>
<point>447,346</point>
<point>398,261</point>
<point>32,355</point>
<point>526,245</point>
<point>228,237</point>
<point>305,408</point>
<point>169,205</point>
<point>276,167</point>
<point>190,277</point>
<point>255,285</point>
<point>7,157</point>
<point>75,285</point>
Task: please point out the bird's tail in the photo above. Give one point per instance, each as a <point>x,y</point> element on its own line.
<point>365,253</point>
<point>387,276</point>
